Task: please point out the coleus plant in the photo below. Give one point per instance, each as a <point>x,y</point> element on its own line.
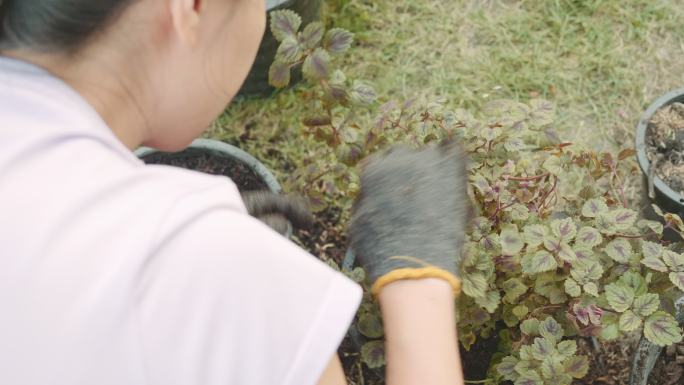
<point>554,252</point>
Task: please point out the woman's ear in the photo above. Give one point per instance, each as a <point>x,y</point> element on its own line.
<point>186,17</point>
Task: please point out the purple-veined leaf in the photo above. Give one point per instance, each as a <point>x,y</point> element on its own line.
<point>619,249</point>
<point>619,296</point>
<point>629,321</point>
<point>279,74</point>
<point>577,366</point>
<point>565,229</point>
<point>338,41</point>
<point>317,65</point>
<point>662,329</point>
<point>588,237</point>
<point>285,23</point>
<point>312,35</point>
<point>534,234</point>
<point>624,218</point>
<point>593,207</point>
<point>645,305</point>
<point>551,330</point>
<point>373,354</point>
<point>538,262</point>
<point>678,279</point>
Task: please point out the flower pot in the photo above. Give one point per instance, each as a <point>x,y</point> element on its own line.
<point>228,157</point>
<point>664,197</point>
<point>257,81</point>
<point>647,354</point>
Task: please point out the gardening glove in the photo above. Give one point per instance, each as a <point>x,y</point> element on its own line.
<point>409,219</point>
<point>279,212</point>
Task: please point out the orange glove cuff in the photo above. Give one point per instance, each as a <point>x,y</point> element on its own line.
<point>416,273</point>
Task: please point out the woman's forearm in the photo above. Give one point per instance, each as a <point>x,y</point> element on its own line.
<point>421,340</point>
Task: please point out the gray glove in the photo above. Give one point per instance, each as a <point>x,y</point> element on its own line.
<point>411,214</point>
<point>279,212</point>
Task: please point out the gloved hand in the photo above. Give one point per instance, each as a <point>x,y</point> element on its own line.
<point>277,211</point>
<point>411,214</point>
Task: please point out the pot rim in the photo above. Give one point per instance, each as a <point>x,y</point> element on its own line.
<point>640,141</point>
<point>219,148</point>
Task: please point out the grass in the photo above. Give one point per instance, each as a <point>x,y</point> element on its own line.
<point>600,61</point>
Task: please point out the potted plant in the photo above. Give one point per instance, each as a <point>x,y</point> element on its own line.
<point>554,252</point>
<point>217,158</point>
<point>659,140</point>
<point>257,81</point>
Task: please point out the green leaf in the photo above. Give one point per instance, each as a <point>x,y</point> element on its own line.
<point>654,226</point>
<point>514,288</point>
<point>519,212</point>
<point>357,275</point>
<point>629,321</point>
<point>588,237</point>
<point>551,330</point>
<point>566,253</point>
<point>551,243</point>
<point>373,354</point>
<point>538,262</point>
<point>507,368</point>
<point>619,296</point>
<point>526,353</point>
<point>474,285</point>
<point>567,348</point>
<point>624,218</point>
<point>635,281</point>
<point>289,51</point>
<point>370,326</point>
<point>593,207</point>
<point>530,327</point>
<point>553,165</point>
<point>534,234</point>
<point>529,378</point>
<point>591,288</point>
<point>564,229</point>
<point>661,328</point>
<point>312,35</point>
<point>674,260</point>
<point>655,263</point>
<point>577,366</point>
<point>541,348</point>
<point>279,74</point>
<point>609,331</point>
<point>520,311</point>
<point>678,280</point>
<point>490,301</point>
<point>285,23</point>
<point>605,223</point>
<point>645,305</point>
<point>572,288</point>
<point>511,241</point>
<point>651,250</point>
<point>619,249</point>
<point>317,66</point>
<point>552,367</point>
<point>542,113</point>
<point>338,41</point>
<point>362,94</point>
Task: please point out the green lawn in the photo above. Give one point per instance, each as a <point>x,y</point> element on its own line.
<point>601,61</point>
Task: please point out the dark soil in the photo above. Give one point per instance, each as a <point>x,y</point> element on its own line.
<point>476,360</point>
<point>609,365</point>
<point>665,145</point>
<point>326,238</point>
<point>242,176</point>
<point>669,370</point>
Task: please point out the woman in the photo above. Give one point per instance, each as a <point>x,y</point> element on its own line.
<point>119,273</point>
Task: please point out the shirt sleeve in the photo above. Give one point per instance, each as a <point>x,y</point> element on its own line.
<point>228,301</point>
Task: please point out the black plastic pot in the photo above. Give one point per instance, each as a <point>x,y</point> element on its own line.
<point>224,150</point>
<point>257,81</point>
<point>647,353</point>
<point>664,197</point>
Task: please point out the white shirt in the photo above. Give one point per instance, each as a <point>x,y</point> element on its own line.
<point>117,273</point>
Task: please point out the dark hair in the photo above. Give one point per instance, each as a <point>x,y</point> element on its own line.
<point>54,25</point>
